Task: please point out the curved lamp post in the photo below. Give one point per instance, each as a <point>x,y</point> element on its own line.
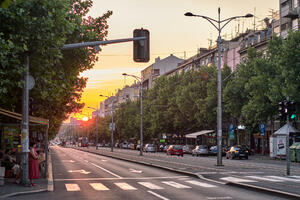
<point>139,79</point>
<point>219,27</point>
<point>96,109</point>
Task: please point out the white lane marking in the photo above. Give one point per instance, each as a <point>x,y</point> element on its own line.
<point>86,161</point>
<point>98,186</point>
<point>284,178</point>
<point>297,177</point>
<point>157,195</point>
<point>135,171</point>
<point>237,180</point>
<point>72,187</point>
<point>176,185</point>
<point>82,171</point>
<point>201,184</point>
<point>218,198</point>
<point>106,170</point>
<point>263,178</point>
<point>71,161</point>
<point>125,186</point>
<point>128,178</point>
<point>150,185</point>
<point>103,160</point>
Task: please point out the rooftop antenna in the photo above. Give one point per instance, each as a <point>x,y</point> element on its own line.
<point>254,24</point>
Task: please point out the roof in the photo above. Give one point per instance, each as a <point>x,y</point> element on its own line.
<point>196,134</point>
<point>285,129</point>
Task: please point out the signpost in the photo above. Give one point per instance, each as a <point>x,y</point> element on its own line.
<point>262,131</point>
<point>231,132</point>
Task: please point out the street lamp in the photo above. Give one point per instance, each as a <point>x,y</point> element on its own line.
<point>219,110</point>
<point>96,125</point>
<point>139,79</point>
<point>112,123</point>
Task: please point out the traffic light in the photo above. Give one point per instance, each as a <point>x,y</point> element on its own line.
<point>291,109</point>
<point>141,48</point>
<point>283,110</point>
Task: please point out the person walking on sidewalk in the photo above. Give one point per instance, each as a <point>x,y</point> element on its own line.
<point>34,172</point>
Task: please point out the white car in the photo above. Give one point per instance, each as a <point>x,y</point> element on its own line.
<point>200,150</point>
<point>149,148</point>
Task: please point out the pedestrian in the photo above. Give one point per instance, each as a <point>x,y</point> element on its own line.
<point>34,172</point>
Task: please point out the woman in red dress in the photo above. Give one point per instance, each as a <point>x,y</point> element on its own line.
<point>34,172</point>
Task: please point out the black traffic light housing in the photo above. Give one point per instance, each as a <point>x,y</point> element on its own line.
<point>141,48</point>
<point>283,110</point>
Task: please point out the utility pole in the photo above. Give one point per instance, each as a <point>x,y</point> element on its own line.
<point>25,126</point>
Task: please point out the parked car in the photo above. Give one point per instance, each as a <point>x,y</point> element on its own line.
<point>200,150</point>
<point>237,152</point>
<point>149,148</point>
<point>124,145</point>
<point>188,148</point>
<point>213,150</point>
<point>132,146</point>
<point>175,150</point>
<point>138,146</point>
<point>166,147</point>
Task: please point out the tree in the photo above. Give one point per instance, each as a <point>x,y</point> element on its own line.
<point>39,29</point>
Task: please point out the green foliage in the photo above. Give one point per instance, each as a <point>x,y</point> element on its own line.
<point>38,29</point>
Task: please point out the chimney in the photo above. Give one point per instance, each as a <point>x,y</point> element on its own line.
<point>157,59</point>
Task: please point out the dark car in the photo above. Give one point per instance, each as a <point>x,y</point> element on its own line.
<point>237,152</point>
<point>175,150</point>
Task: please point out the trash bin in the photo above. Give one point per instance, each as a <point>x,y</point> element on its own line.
<point>297,149</point>
<point>293,152</point>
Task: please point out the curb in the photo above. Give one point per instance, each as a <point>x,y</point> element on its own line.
<point>20,193</point>
<point>50,187</point>
<point>242,185</point>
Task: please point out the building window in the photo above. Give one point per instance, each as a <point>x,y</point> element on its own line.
<point>156,72</point>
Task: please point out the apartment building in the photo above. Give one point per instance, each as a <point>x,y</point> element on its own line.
<point>158,68</point>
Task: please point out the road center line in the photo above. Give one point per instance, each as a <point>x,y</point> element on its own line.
<point>157,195</point>
<point>106,170</point>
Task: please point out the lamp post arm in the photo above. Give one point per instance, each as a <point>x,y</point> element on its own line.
<point>227,21</point>
<point>210,20</point>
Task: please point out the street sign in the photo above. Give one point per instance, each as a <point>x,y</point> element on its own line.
<point>162,140</point>
<point>112,126</point>
<point>262,129</point>
<point>231,132</point>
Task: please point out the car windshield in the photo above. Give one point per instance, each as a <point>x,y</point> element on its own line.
<point>150,145</point>
<point>176,147</point>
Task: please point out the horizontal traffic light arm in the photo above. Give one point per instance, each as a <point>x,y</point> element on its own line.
<point>97,43</point>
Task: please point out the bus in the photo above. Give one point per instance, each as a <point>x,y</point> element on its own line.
<point>83,142</point>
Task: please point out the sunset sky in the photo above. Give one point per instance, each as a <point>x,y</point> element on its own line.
<point>170,33</point>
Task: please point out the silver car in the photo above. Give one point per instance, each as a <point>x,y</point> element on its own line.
<point>149,148</point>
<point>200,150</point>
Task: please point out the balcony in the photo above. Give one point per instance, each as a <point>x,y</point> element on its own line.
<point>288,12</point>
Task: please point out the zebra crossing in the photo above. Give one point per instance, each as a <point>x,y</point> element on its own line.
<point>72,187</point>
<point>184,184</point>
<point>254,179</point>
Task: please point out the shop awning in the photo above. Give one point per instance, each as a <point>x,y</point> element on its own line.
<point>18,116</point>
<point>285,129</point>
<point>196,134</point>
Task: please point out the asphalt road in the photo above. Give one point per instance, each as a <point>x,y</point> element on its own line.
<point>82,175</point>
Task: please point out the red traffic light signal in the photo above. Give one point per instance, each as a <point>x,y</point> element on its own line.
<point>141,48</point>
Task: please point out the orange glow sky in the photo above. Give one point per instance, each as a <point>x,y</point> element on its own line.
<point>170,32</point>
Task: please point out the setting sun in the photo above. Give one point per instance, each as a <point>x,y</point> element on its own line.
<point>85,119</point>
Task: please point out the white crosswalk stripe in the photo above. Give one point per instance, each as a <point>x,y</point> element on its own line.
<point>264,178</point>
<point>201,184</point>
<point>98,186</point>
<point>237,180</point>
<point>284,178</point>
<point>150,185</point>
<point>125,186</point>
<point>72,187</point>
<point>176,185</point>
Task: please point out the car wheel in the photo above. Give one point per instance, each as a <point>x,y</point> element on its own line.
<point>227,157</point>
<point>232,157</point>
<point>182,155</point>
<point>246,157</point>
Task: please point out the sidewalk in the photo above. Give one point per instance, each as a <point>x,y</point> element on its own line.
<point>10,188</point>
<point>236,173</point>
